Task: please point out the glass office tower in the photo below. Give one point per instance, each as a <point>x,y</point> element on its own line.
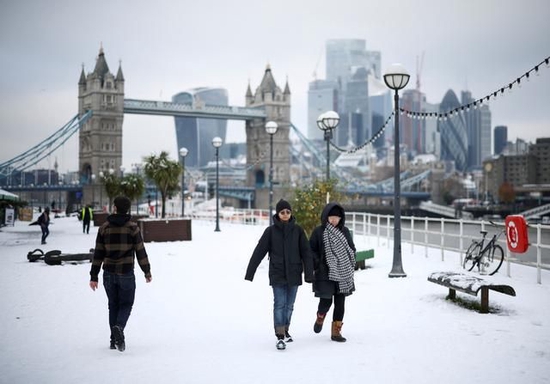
<point>454,135</point>
<point>196,134</point>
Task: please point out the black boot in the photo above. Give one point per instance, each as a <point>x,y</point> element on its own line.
<point>118,333</point>
<point>318,326</point>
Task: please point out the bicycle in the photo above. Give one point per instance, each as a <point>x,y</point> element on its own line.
<point>488,258</point>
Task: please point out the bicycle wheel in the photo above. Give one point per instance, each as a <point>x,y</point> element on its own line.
<point>494,259</point>
<point>470,259</point>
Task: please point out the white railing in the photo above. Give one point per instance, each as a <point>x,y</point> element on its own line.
<point>234,215</point>
<point>446,235</point>
<point>451,235</point>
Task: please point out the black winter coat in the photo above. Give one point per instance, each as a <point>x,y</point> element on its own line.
<point>289,254</point>
<point>322,286</point>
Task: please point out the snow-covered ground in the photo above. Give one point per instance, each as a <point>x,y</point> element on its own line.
<point>199,321</point>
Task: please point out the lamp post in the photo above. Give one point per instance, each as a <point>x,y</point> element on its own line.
<point>217,143</point>
<point>327,122</point>
<point>271,128</point>
<point>93,188</point>
<point>183,153</point>
<point>111,173</point>
<point>102,176</point>
<point>396,78</point>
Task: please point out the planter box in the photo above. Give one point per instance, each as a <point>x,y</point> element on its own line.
<point>100,218</point>
<point>165,229</point>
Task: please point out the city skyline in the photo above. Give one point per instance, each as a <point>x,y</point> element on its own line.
<point>483,47</point>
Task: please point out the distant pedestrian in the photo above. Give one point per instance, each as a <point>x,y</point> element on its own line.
<point>334,262</point>
<point>289,257</point>
<point>87,216</point>
<point>44,222</point>
<point>118,242</point>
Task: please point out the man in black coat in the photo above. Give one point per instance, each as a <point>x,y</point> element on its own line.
<point>289,257</point>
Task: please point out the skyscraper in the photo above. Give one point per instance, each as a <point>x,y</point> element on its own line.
<point>348,65</point>
<point>413,130</point>
<point>196,134</point>
<point>478,126</point>
<point>501,138</point>
<point>322,96</point>
<point>454,137</point>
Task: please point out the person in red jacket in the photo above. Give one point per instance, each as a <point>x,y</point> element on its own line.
<point>118,243</point>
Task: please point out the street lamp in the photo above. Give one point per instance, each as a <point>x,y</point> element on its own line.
<point>271,128</point>
<point>183,153</point>
<point>327,122</point>
<point>217,143</point>
<point>396,78</point>
<point>122,169</point>
<point>102,176</point>
<point>93,188</point>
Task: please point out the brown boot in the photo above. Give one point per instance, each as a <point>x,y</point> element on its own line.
<point>318,326</point>
<point>336,328</point>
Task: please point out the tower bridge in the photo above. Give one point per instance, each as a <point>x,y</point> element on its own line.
<point>167,108</point>
<point>102,105</point>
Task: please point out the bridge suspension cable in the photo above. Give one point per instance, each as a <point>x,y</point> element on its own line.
<point>45,148</point>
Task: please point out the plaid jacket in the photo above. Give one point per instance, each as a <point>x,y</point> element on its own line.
<point>118,241</point>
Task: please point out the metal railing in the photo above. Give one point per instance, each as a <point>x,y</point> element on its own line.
<point>452,236</point>
<point>449,236</point>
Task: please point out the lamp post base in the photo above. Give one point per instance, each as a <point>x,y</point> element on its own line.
<point>397,269</point>
<point>397,274</point>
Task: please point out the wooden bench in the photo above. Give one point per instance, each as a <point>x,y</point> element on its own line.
<point>360,258</point>
<point>471,285</point>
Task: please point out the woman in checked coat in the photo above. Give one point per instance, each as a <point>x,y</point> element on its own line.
<point>334,263</point>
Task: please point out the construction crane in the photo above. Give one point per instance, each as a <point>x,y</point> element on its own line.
<point>317,64</point>
<point>419,65</point>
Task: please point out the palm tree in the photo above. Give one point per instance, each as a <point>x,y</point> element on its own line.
<point>132,186</point>
<point>165,174</point>
<point>112,187</point>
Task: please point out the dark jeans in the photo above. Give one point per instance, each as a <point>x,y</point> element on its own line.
<point>121,291</point>
<point>86,226</point>
<point>283,304</point>
<point>45,233</point>
<point>339,306</point>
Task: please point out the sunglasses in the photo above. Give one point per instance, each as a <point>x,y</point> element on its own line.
<point>285,212</point>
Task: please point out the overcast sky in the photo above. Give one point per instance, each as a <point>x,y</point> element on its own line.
<point>169,46</point>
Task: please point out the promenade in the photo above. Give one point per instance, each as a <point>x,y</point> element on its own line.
<point>199,321</point>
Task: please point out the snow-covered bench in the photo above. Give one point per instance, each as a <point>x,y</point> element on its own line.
<point>471,285</point>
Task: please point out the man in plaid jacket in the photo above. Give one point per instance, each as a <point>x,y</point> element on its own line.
<point>118,244</point>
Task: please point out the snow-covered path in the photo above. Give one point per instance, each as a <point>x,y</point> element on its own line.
<point>199,321</point>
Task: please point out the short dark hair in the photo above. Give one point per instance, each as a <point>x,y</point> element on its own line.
<point>122,204</point>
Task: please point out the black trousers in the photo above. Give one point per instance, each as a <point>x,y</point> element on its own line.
<point>121,292</point>
<point>86,225</point>
<point>339,306</point>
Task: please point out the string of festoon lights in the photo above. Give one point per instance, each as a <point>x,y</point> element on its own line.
<point>442,116</point>
<point>261,156</point>
<point>369,141</point>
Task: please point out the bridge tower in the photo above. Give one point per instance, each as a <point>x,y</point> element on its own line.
<point>100,138</point>
<point>277,108</point>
